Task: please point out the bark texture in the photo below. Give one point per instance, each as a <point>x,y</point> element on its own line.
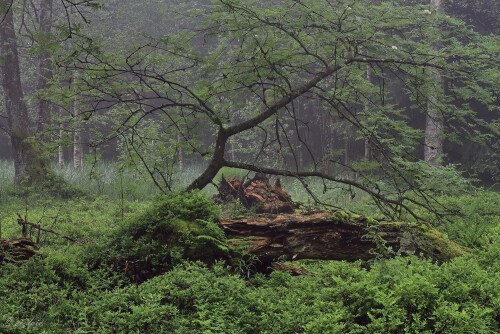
<point>44,65</point>
<point>337,235</point>
<point>434,123</point>
<point>28,162</point>
<point>256,193</point>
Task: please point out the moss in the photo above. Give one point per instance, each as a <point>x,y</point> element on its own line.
<point>370,220</point>
<point>347,216</point>
<point>422,238</point>
<point>339,216</point>
<point>441,246</point>
<point>406,236</point>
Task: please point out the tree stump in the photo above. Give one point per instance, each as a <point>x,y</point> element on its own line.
<point>257,193</point>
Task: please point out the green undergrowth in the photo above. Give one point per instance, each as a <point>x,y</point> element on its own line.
<point>160,265</point>
<point>173,228</point>
<point>401,295</point>
<point>475,215</point>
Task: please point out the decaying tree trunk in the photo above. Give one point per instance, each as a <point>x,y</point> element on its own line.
<point>335,235</point>
<point>16,250</point>
<point>256,193</point>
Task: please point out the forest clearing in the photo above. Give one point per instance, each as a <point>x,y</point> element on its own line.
<point>242,166</point>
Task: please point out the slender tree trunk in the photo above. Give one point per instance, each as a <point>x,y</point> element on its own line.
<point>434,121</point>
<point>77,135</point>
<point>368,151</point>
<point>60,150</point>
<point>28,162</point>
<point>301,157</point>
<point>180,153</point>
<point>324,144</point>
<point>90,145</point>
<point>44,65</point>
<point>232,150</point>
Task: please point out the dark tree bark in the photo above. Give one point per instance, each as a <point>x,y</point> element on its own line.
<point>336,235</point>
<point>28,162</point>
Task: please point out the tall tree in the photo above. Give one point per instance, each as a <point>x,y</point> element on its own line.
<point>29,163</point>
<point>44,63</point>
<point>434,124</point>
<point>77,132</point>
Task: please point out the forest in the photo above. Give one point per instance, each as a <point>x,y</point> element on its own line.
<point>245,166</point>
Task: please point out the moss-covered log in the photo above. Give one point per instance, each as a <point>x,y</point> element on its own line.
<point>335,235</point>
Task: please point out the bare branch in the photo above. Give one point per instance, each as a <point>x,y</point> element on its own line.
<point>23,222</point>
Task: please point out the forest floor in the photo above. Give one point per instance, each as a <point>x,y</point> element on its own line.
<point>100,285</point>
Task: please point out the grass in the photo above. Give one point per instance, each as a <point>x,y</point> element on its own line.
<point>111,180</point>
<point>123,188</point>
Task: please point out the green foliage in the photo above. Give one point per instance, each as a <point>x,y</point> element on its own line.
<point>402,295</point>
<point>88,288</point>
<point>474,214</point>
<point>174,227</point>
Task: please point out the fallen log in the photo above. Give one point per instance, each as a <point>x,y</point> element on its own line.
<point>16,250</point>
<point>335,235</point>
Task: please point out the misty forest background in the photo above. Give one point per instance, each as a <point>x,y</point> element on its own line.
<point>120,119</point>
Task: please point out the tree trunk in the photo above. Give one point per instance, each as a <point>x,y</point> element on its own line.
<point>434,123</point>
<point>28,161</point>
<point>60,150</point>
<point>77,135</point>
<point>44,65</point>
<point>338,235</point>
<point>368,151</point>
<point>256,194</point>
<point>180,153</point>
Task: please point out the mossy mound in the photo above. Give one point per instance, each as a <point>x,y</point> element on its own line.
<point>423,238</point>
<point>176,227</point>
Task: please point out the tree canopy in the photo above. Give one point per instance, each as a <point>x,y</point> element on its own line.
<point>265,86</point>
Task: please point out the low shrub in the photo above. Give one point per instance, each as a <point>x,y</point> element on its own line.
<point>175,227</point>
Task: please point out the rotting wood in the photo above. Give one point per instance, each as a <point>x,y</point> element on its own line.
<point>334,235</point>
<point>257,193</point>
<point>16,250</point>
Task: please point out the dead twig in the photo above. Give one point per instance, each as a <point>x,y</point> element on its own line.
<point>23,223</point>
